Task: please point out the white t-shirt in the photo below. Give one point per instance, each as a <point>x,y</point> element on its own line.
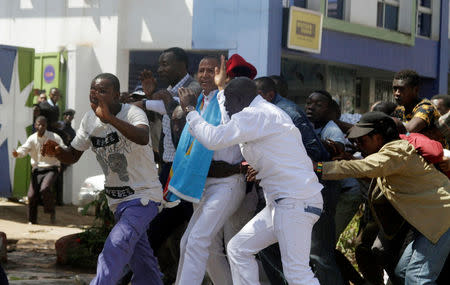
<point>129,168</point>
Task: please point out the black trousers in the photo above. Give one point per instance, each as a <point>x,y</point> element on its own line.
<point>41,190</point>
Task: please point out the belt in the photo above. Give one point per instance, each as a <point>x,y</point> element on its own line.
<point>221,169</point>
<point>41,170</point>
<point>308,209</point>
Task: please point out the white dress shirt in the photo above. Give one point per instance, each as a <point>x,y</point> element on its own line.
<point>270,143</point>
<point>232,154</point>
<point>33,147</point>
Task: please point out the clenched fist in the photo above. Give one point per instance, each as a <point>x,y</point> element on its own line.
<point>49,148</point>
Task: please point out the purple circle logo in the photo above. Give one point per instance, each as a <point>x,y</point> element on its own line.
<point>49,73</point>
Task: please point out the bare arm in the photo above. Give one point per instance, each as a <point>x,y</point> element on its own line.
<point>415,125</point>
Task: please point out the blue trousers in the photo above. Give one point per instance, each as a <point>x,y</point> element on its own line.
<point>422,261</point>
<point>128,243</point>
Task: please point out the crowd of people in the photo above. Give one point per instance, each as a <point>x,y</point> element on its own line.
<point>249,182</point>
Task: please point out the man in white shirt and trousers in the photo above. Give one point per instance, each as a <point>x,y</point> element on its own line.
<point>44,170</point>
<point>271,144</point>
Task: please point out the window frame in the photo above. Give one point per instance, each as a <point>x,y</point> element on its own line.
<point>343,10</point>
<point>395,3</point>
<point>424,10</point>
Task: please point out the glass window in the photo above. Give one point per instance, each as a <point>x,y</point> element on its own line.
<point>390,17</point>
<point>425,3</point>
<point>335,9</point>
<point>300,3</point>
<point>387,14</point>
<point>424,18</point>
<point>424,24</point>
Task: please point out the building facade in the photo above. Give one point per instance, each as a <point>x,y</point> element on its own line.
<point>364,42</point>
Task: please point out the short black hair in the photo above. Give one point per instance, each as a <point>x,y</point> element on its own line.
<point>385,107</point>
<point>444,97</point>
<point>410,76</point>
<point>265,84</point>
<point>112,79</point>
<point>280,84</point>
<point>38,118</point>
<point>179,53</point>
<point>326,94</point>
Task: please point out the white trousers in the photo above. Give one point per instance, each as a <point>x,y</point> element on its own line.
<point>288,221</point>
<point>221,198</point>
<point>217,266</point>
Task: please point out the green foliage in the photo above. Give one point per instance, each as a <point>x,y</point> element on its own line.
<point>92,239</point>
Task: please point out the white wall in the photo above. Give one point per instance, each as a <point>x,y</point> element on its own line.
<point>363,12</point>
<point>98,35</point>
<point>251,28</point>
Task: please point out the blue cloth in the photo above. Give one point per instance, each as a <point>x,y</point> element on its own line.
<point>192,160</point>
<point>127,243</point>
<point>422,261</point>
<point>314,147</point>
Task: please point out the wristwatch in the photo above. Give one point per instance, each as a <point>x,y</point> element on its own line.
<point>189,108</point>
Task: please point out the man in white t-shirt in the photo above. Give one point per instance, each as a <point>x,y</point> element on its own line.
<point>119,136</point>
<point>291,188</point>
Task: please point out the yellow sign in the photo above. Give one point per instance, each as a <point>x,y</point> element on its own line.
<point>305,30</point>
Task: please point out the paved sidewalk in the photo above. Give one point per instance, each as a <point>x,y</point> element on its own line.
<point>31,248</point>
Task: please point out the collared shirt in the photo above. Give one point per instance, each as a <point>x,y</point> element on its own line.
<point>33,147</point>
<point>51,102</point>
<point>269,142</point>
<point>169,148</point>
<point>232,154</point>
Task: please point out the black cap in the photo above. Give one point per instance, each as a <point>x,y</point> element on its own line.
<point>69,112</point>
<point>369,122</point>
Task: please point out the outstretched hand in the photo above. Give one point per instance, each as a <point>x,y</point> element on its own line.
<point>221,74</point>
<point>49,148</point>
<point>187,97</point>
<point>148,82</point>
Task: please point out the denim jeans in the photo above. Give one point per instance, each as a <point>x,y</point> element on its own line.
<point>422,261</point>
<point>323,242</point>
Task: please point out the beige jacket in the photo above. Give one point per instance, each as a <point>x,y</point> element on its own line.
<point>415,188</point>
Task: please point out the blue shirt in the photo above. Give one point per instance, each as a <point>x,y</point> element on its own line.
<point>315,149</point>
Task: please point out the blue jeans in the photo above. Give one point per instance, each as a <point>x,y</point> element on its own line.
<point>422,261</point>
<point>323,241</point>
<point>127,243</point>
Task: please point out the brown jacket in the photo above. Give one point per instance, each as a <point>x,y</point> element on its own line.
<point>415,188</point>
